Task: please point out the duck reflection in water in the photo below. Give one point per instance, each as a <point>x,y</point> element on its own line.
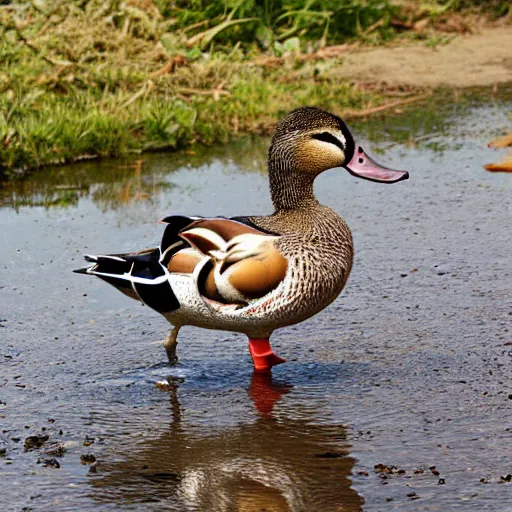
<point>275,464</point>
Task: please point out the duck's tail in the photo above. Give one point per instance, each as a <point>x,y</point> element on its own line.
<point>138,275</point>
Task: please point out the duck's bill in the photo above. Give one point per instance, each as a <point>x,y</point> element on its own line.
<point>365,167</point>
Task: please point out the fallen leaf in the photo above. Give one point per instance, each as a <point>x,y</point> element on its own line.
<point>501,142</point>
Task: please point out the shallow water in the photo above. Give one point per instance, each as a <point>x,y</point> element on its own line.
<point>410,367</point>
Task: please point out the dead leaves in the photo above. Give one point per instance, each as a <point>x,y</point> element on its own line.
<point>506,164</point>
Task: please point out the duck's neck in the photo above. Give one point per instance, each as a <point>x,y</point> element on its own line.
<point>290,189</point>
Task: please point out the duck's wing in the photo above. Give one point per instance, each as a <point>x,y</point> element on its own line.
<point>140,275</point>
<point>245,263</point>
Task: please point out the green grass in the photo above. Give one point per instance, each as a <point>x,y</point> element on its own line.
<point>89,78</point>
<point>48,127</point>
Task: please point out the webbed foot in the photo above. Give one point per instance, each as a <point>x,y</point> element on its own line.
<point>262,355</point>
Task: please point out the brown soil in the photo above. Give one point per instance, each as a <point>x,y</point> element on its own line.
<point>472,60</point>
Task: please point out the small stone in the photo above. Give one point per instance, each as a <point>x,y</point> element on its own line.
<point>32,442</point>
<point>163,384</point>
<point>441,481</point>
<point>51,463</point>
<point>87,458</point>
<point>88,441</point>
<point>57,450</point>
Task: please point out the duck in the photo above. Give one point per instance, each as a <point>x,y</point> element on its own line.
<point>253,274</point>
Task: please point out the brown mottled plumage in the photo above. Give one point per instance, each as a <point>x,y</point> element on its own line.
<point>256,274</point>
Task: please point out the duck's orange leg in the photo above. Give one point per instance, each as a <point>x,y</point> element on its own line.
<point>262,355</point>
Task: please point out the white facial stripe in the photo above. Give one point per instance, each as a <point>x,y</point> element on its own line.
<point>340,137</point>
<point>334,138</point>
<point>329,147</point>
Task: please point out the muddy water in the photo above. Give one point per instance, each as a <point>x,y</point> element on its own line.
<point>409,368</point>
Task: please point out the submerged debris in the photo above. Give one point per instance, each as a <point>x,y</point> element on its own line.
<point>87,458</point>
<point>56,449</point>
<point>89,440</point>
<point>34,442</point>
<point>434,471</point>
<point>50,463</point>
<point>390,470</point>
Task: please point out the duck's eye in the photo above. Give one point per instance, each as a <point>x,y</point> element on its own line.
<point>328,137</point>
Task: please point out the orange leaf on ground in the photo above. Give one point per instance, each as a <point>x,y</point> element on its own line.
<point>501,142</point>
<point>505,166</point>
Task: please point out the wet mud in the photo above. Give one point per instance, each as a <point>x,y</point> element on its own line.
<point>397,397</point>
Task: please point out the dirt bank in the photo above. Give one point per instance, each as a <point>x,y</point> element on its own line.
<point>467,61</point>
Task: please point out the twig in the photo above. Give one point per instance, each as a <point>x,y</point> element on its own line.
<point>170,66</point>
<point>371,28</point>
<point>381,108</point>
<point>203,92</point>
<point>148,86</point>
<point>323,53</point>
<point>193,26</point>
<point>37,51</point>
<point>204,38</point>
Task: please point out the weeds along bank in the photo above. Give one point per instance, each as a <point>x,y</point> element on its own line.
<point>85,78</point>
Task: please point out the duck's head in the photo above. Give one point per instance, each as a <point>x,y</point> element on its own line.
<point>309,141</point>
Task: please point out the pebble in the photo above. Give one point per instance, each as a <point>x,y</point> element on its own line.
<point>392,470</point>
<point>87,458</point>
<point>32,442</point>
<point>51,463</point>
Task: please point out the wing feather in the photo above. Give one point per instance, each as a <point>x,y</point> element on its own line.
<point>247,263</point>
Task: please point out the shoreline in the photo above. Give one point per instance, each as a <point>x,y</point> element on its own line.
<point>140,100</point>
